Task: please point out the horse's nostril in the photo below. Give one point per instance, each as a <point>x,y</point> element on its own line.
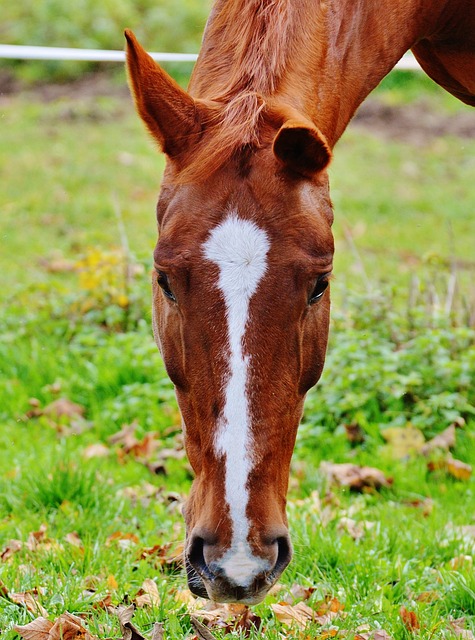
<point>284,555</point>
<point>196,557</point>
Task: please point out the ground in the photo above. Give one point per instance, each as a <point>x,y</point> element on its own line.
<point>92,473</point>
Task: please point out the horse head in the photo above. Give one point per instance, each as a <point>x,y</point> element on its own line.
<point>240,314</point>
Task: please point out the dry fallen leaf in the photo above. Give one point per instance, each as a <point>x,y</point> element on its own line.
<point>29,600</point>
<point>126,436</point>
<point>299,614</point>
<point>202,632</point>
<point>186,597</point>
<point>458,469</point>
<point>124,540</point>
<point>112,582</point>
<point>444,440</point>
<point>403,441</point>
<point>409,619</point>
<point>63,407</point>
<point>97,450</point>
<point>299,592</point>
<point>148,595</point>
<point>458,627</point>
<point>354,477</point>
<point>36,538</point>
<point>66,627</point>
<point>164,554</point>
<point>158,632</point>
<point>69,627</point>
<point>425,504</point>
<point>57,264</point>
<point>228,618</point>
<point>13,546</point>
<point>355,529</point>
<point>129,631</point>
<point>378,634</point>
<point>74,539</point>
<point>428,596</point>
<point>354,433</point>
<point>37,630</point>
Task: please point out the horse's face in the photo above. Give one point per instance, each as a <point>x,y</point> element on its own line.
<point>241,314</point>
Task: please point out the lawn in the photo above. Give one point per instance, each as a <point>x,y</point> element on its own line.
<point>92,473</point>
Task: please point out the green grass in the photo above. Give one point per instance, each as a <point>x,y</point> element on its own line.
<point>70,170</point>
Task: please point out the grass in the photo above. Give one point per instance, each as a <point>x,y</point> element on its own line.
<point>70,169</point>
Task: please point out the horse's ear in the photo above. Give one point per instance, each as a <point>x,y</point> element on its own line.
<point>302,148</point>
<point>170,113</point>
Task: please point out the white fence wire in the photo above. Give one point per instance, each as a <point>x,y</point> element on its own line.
<point>21,52</point>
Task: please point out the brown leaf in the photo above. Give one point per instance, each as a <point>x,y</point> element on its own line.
<point>69,627</point>
<point>112,582</point>
<point>66,627</point>
<point>104,603</point>
<point>186,597</point>
<point>63,407</point>
<point>29,600</point>
<point>329,605</point>
<point>58,265</point>
<point>378,634</point>
<point>202,632</point>
<point>299,614</point>
<point>428,596</point>
<point>299,592</point>
<point>3,590</point>
<point>124,540</point>
<point>148,595</point>
<point>229,618</point>
<point>351,527</point>
<point>164,554</point>
<point>126,436</point>
<point>248,621</point>
<point>403,441</point>
<point>13,546</point>
<point>144,448</point>
<point>444,440</point>
<point>97,450</point>
<point>354,433</point>
<point>129,631</point>
<point>458,469</point>
<point>425,504</point>
<point>36,537</point>
<point>74,539</point>
<point>409,619</point>
<point>36,630</point>
<point>458,627</point>
<point>355,477</point>
<point>158,632</point>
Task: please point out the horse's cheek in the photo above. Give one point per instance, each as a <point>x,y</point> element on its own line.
<point>314,340</point>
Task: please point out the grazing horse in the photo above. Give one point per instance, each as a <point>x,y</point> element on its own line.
<point>241,296</point>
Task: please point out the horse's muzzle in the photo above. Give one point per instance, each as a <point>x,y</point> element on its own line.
<point>210,580</point>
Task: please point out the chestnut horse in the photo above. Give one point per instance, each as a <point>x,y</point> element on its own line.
<point>242,265</point>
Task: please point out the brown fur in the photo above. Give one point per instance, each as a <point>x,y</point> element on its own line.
<point>276,83</point>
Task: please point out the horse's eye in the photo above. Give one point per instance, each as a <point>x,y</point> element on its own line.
<point>319,290</point>
<point>162,280</point>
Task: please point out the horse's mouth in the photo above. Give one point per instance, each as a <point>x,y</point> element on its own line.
<point>220,591</point>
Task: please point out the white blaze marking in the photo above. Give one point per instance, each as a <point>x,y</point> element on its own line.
<point>239,248</point>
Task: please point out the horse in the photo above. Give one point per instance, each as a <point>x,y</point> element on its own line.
<point>243,262</point>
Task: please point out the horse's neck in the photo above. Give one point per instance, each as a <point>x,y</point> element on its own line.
<point>322,58</point>
<point>357,44</point>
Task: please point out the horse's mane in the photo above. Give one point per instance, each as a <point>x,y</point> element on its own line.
<point>245,51</point>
